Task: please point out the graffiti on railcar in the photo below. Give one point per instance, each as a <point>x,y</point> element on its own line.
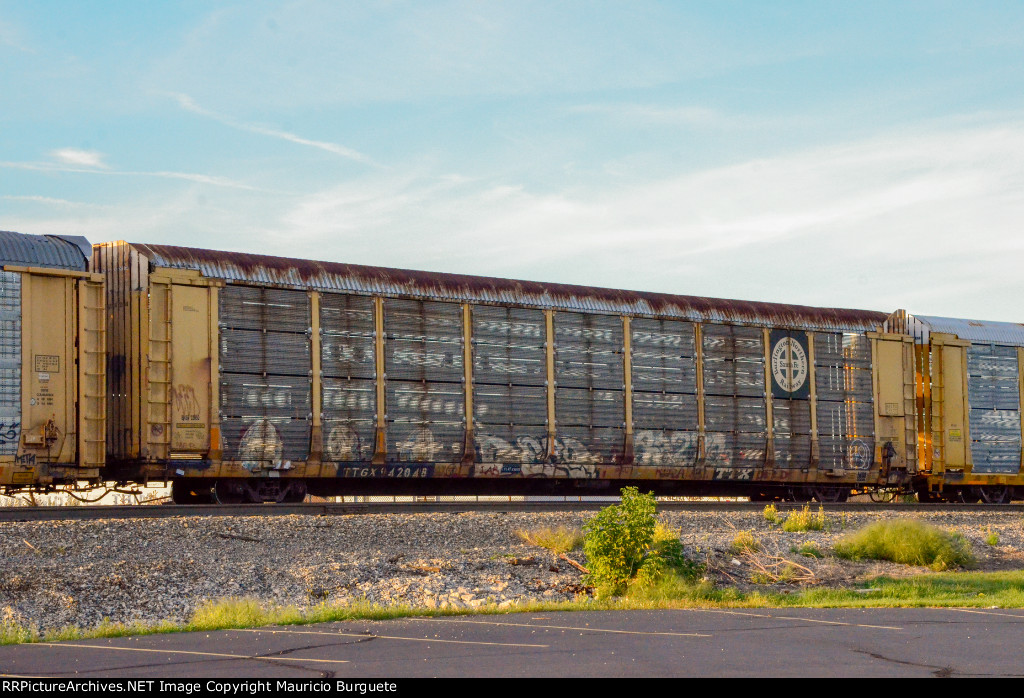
<point>665,448</point>
<point>680,448</point>
<point>422,445</point>
<point>345,444</point>
<point>261,444</point>
<point>186,405</point>
<point>570,450</point>
<point>859,455</point>
<point>582,471</point>
<point>525,449</point>
<point>9,432</point>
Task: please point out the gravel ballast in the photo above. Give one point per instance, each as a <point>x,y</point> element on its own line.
<point>59,573</point>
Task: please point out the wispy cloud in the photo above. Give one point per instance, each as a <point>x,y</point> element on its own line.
<point>74,156</point>
<point>863,224</point>
<point>188,176</point>
<point>52,201</point>
<point>188,104</point>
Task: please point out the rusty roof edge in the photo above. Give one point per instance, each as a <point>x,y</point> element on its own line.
<point>285,271</point>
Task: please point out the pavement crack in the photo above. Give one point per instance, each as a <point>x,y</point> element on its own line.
<point>941,672</point>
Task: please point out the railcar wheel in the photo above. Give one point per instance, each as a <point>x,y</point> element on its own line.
<point>230,492</point>
<point>994,494</point>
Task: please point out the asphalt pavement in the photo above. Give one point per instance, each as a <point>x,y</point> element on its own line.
<point>828,643</point>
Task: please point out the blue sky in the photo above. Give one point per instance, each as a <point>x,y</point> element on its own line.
<point>866,155</point>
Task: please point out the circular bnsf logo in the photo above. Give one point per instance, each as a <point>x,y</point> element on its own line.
<point>789,364</point>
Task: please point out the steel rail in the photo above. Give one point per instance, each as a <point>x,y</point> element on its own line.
<point>147,511</point>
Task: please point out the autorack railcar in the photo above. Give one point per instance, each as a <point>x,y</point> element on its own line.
<point>243,377</point>
<point>968,390</point>
<point>52,363</point>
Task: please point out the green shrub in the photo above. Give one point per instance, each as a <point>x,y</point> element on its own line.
<point>666,557</point>
<point>804,520</point>
<point>992,538</point>
<point>771,513</point>
<point>909,542</point>
<point>618,541</point>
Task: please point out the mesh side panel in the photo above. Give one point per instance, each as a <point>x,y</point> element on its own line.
<point>839,382</point>
<point>422,320</point>
<point>414,441</point>
<point>348,439</point>
<point>265,439</point>
<point>347,342</point>
<point>849,452</point>
<point>733,342</point>
<point>995,441</point>
<point>733,361</point>
<point>663,357</point>
<point>735,450</point>
<point>792,451</point>
<point>509,385</point>
<point>10,362</point>
<point>742,414</point>
<point>593,408</point>
<point>847,349</point>
<point>502,404</point>
<point>992,381</point>
<point>588,351</point>
<point>791,416</point>
<point>665,447</point>
<point>273,396</point>
<point>254,351</point>
<point>425,419</point>
<point>509,346</point>
<point>846,415</point>
<point>842,419</point>
<point>256,308</point>
<point>347,314</point>
<point>349,399</point>
<point>588,445</point>
<point>503,443</point>
<point>265,359</point>
<point>665,411</point>
<point>424,360</point>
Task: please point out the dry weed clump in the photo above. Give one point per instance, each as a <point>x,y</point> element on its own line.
<point>558,540</point>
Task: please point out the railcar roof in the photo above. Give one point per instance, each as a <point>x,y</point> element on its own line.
<point>334,276</point>
<point>977,331</point>
<point>56,251</point>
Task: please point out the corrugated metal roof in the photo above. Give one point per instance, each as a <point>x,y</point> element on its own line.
<point>332,276</point>
<point>977,331</point>
<point>63,252</point>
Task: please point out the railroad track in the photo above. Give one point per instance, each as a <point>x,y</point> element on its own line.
<point>152,511</point>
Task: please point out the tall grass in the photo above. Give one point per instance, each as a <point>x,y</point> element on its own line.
<point>805,520</point>
<point>909,542</point>
<point>557,540</point>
